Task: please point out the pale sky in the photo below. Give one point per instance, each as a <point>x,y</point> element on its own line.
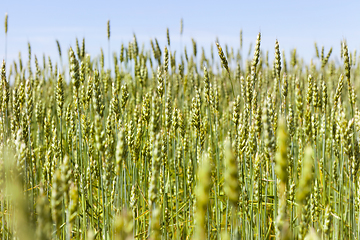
<point>296,24</point>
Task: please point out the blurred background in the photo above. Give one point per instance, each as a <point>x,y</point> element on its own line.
<point>296,24</point>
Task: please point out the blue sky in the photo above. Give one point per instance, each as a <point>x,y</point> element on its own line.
<point>296,24</point>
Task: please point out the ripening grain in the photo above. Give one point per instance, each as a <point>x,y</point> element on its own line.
<point>158,148</point>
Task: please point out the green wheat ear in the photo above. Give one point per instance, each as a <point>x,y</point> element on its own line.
<point>168,36</point>
<point>6,23</point>
<point>305,183</point>
<point>225,64</point>
<point>241,39</point>
<point>108,29</point>
<point>202,195</point>
<point>281,153</point>
<point>232,187</point>
<point>181,26</point>
<point>59,48</point>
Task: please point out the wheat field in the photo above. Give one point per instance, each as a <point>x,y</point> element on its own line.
<point>169,145</point>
